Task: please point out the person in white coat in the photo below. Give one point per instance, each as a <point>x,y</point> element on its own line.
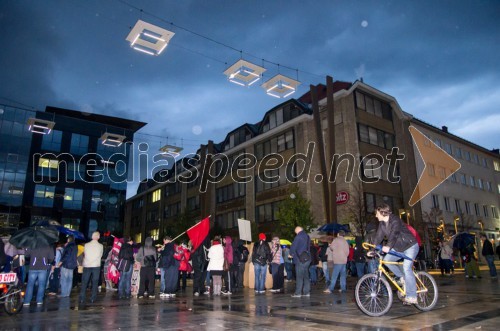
<point>216,264</point>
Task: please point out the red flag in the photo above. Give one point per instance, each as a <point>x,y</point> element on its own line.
<point>199,232</point>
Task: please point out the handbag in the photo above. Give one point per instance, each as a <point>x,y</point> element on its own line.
<point>305,256</point>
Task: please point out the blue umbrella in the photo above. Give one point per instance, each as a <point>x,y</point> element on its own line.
<point>462,240</point>
<point>62,229</point>
<point>334,227</point>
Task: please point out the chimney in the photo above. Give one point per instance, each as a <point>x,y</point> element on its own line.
<point>496,151</point>
<point>444,128</point>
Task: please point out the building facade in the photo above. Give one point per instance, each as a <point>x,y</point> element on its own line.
<point>468,200</point>
<point>252,170</point>
<point>72,168</point>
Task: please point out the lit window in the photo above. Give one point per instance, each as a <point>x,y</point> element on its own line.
<point>156,196</point>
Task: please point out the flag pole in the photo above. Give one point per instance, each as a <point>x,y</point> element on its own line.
<point>190,228</point>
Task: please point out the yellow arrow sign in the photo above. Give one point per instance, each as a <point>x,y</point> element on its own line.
<point>438,166</point>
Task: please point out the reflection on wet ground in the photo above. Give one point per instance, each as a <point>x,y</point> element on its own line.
<point>464,304</point>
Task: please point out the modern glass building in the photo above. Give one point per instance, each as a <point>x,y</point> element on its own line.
<point>64,165</point>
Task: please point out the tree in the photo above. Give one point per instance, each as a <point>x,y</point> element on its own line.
<point>181,223</point>
<point>356,211</point>
<point>294,211</point>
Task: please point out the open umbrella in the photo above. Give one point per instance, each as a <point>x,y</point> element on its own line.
<point>62,229</point>
<point>34,237</point>
<point>285,242</point>
<point>334,227</point>
<point>461,240</point>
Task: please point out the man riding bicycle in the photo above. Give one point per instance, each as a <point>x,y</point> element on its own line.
<point>401,240</point>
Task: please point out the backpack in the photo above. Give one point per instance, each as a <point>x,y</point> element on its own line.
<point>415,234</point>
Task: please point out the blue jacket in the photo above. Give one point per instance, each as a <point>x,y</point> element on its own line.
<point>68,258</point>
<point>299,245</point>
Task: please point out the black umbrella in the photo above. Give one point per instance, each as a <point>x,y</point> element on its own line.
<point>34,237</point>
<point>461,240</point>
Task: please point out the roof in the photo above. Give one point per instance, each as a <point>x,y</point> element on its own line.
<point>321,89</point>
<point>104,119</point>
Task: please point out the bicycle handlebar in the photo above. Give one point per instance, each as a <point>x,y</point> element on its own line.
<point>392,252</point>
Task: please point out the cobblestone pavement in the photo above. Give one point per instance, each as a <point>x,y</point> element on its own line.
<point>464,304</point>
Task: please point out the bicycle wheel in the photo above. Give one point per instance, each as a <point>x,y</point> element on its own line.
<point>13,301</point>
<point>426,299</point>
<point>373,295</point>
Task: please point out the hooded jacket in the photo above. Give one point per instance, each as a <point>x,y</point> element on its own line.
<point>68,258</point>
<point>228,250</point>
<point>146,250</point>
<point>40,258</point>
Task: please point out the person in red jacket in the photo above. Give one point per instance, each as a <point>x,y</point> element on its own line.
<point>184,266</point>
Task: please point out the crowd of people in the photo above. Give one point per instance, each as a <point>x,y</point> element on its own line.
<point>217,266</point>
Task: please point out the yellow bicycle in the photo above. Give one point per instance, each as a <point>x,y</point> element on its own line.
<point>374,294</point>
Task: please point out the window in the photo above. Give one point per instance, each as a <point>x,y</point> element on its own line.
<point>494,212</point>
<point>274,145</point>
<point>477,210</point>
<point>458,209</point>
<point>435,201</point>
<point>484,162</point>
<point>437,141</point>
<point>458,152</point>
<point>480,183</point>
<point>467,155</point>
<point>485,210</point>
<point>231,191</point>
<point>44,196</point>
<point>463,179</point>
<point>52,141</point>
<point>73,198</point>
<point>453,177</point>
<point>376,137</point>
<point>447,205</point>
<point>467,208</point>
<point>48,167</point>
<point>372,168</point>
<point>79,144</point>
<point>230,220</point>
<point>266,212</point>
<point>496,165</point>
<point>172,209</point>
<point>448,149</point>
<point>370,202</point>
<point>489,187</point>
<point>373,106</point>
<point>476,159</point>
<point>430,169</point>
<point>156,195</point>
<point>193,203</point>
<point>95,204</point>
<point>472,181</point>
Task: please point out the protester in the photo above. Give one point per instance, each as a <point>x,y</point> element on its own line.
<point>92,253</point>
<point>126,267</point>
<point>169,266</point>
<point>359,257</point>
<point>323,257</point>
<point>242,261</point>
<point>67,265</point>
<point>489,255</point>
<point>216,264</point>
<point>445,254</point>
<point>199,260</point>
<point>301,258</point>
<point>313,266</point>
<point>340,249</point>
<point>228,258</point>
<point>41,260</point>
<point>146,256</point>
<point>184,267</point>
<point>261,256</point>
<point>277,266</point>
<point>55,273</point>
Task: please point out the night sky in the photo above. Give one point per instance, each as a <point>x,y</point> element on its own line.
<point>439,59</point>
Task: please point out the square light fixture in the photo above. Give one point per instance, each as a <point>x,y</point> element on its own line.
<point>37,125</point>
<point>148,38</point>
<point>244,73</point>
<point>280,86</point>
<point>112,139</point>
<point>171,150</point>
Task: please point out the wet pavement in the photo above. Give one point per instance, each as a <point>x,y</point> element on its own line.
<point>464,304</point>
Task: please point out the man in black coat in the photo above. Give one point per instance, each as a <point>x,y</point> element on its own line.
<point>489,255</point>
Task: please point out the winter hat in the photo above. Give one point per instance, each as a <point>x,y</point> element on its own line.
<point>262,236</point>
